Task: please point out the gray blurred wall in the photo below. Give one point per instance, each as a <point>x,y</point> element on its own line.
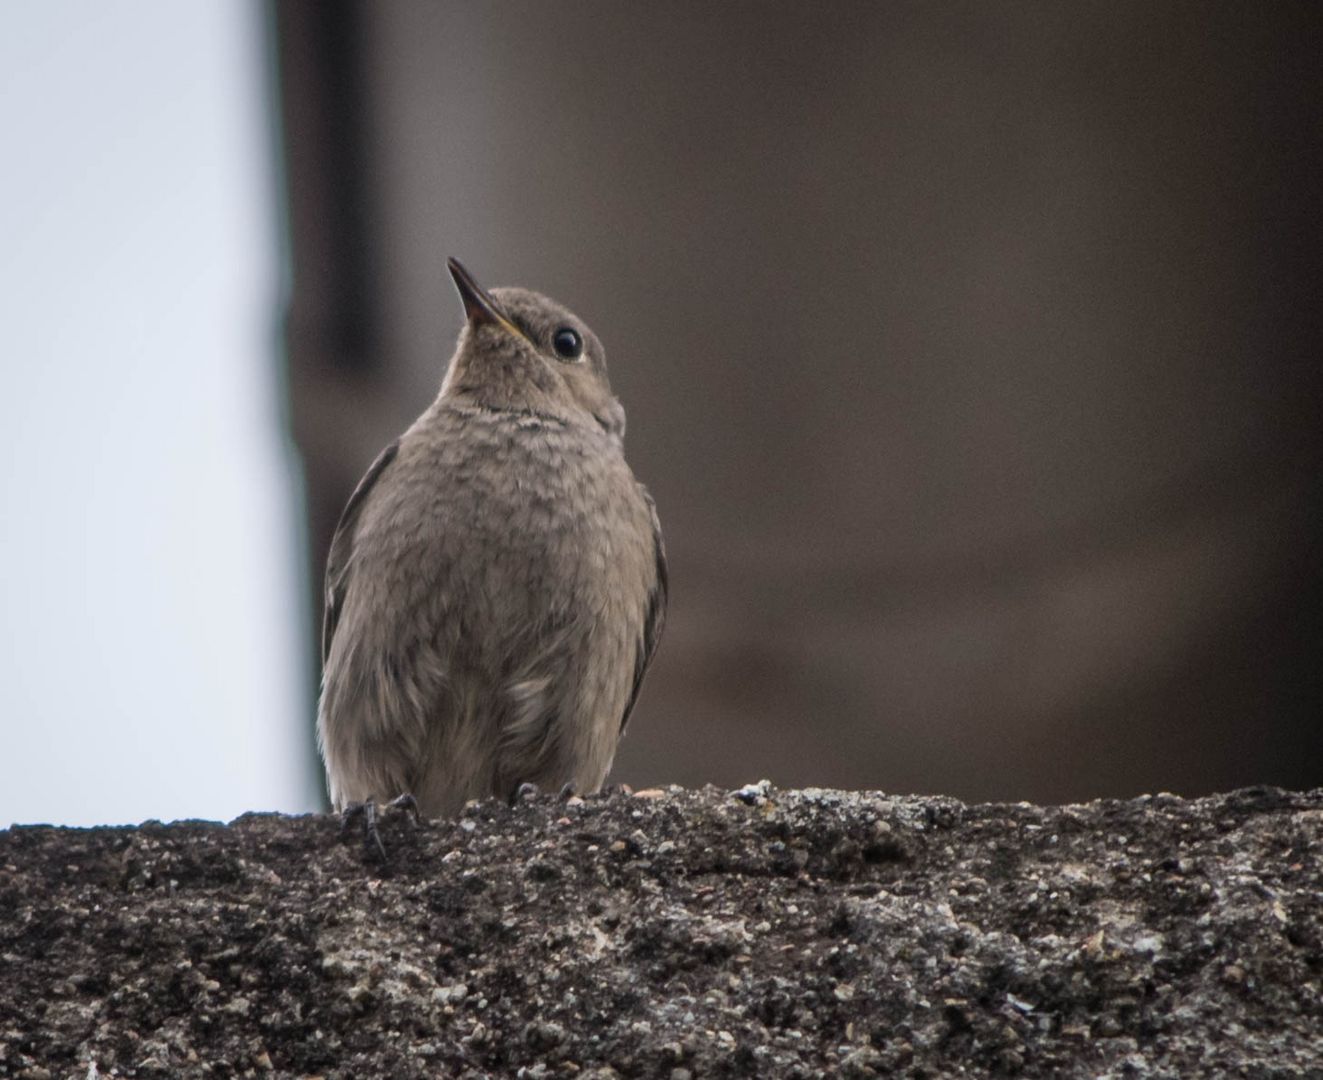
<point>969,351</point>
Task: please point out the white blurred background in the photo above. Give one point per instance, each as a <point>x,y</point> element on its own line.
<point>151,624</point>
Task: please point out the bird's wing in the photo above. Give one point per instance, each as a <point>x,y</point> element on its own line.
<point>655,618</point>
<point>340,559</point>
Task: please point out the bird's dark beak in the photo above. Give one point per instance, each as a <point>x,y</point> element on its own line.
<point>478,303</point>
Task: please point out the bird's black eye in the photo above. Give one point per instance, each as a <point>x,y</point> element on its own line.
<point>567,343</point>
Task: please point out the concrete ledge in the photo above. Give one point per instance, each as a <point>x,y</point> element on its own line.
<point>677,933</point>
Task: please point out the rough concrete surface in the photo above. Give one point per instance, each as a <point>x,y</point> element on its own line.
<point>677,934</point>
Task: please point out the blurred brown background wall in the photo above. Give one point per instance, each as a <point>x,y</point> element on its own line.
<point>969,351</point>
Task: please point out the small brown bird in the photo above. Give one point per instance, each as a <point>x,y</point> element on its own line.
<point>496,586</point>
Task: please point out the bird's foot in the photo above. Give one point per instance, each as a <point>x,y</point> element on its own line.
<point>406,804</point>
<point>527,792</point>
<point>371,815</point>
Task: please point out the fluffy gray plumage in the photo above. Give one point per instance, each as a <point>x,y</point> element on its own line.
<point>497,584</point>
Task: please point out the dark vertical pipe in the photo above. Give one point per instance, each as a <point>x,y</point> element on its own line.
<point>330,319</point>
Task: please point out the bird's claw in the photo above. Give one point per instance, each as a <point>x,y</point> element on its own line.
<point>366,810</point>
<point>525,792</point>
<point>371,815</point>
<point>406,804</point>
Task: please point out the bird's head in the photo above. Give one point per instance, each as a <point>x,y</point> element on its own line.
<point>522,351</point>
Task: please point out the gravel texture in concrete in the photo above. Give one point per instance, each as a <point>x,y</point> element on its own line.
<point>677,934</point>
